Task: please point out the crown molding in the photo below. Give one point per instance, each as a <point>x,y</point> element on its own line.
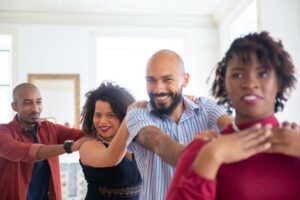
<point>59,18</point>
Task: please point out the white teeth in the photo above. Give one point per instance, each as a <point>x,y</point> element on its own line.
<point>162,98</point>
<point>249,98</point>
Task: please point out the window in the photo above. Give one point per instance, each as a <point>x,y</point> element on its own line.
<point>5,78</point>
<point>123,60</point>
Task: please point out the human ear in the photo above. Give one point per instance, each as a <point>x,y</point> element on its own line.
<point>14,106</point>
<point>186,78</point>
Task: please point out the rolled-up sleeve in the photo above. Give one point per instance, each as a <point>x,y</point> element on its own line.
<point>14,150</point>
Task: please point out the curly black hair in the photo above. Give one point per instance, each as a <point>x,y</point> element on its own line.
<point>119,99</point>
<point>270,53</point>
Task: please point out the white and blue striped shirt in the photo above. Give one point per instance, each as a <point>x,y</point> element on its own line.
<point>156,173</point>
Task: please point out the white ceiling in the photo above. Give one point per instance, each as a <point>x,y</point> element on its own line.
<point>145,7</point>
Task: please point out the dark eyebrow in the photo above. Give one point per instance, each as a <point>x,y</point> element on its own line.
<point>167,76</point>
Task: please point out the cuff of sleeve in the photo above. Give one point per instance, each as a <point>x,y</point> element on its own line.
<point>33,150</point>
<point>198,186</point>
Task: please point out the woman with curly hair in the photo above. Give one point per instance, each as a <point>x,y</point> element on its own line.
<point>254,158</point>
<point>111,172</point>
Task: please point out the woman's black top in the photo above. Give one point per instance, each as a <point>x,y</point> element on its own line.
<point>113,183</point>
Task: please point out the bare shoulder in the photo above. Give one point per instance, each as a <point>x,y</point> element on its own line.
<point>89,146</point>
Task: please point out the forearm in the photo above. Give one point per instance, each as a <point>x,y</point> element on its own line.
<point>117,148</point>
<point>205,164</point>
<point>153,139</point>
<point>47,151</point>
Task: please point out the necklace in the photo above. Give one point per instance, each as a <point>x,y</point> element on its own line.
<point>235,127</point>
<point>102,139</point>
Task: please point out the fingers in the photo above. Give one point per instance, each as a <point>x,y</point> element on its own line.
<point>191,97</point>
<point>260,140</point>
<point>292,126</point>
<point>207,135</point>
<point>295,127</point>
<point>255,139</point>
<point>139,104</point>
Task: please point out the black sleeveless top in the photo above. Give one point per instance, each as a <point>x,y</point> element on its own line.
<point>113,183</point>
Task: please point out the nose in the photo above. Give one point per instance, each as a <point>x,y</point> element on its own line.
<point>159,87</point>
<point>250,82</point>
<point>103,119</point>
<point>36,107</point>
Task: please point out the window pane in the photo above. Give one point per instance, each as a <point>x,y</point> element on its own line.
<point>5,104</point>
<point>124,60</point>
<point>4,67</point>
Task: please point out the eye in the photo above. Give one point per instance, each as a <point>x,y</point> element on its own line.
<point>111,115</point>
<point>39,102</point>
<point>236,75</point>
<point>27,103</point>
<point>168,79</point>
<point>97,115</point>
<point>263,74</point>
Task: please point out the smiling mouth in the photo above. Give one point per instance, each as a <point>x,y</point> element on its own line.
<point>251,99</point>
<point>161,99</point>
<point>104,129</point>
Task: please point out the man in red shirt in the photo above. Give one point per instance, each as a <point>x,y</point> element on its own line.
<point>29,149</point>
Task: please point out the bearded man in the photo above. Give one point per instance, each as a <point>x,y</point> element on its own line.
<point>168,122</point>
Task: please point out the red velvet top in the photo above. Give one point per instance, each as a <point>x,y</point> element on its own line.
<point>260,177</point>
<point>18,154</point>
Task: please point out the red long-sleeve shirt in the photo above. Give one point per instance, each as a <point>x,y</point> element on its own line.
<point>18,154</point>
<point>260,177</point>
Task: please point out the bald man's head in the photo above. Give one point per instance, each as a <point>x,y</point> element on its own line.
<point>21,88</point>
<point>168,54</point>
<point>166,77</point>
<point>27,102</point>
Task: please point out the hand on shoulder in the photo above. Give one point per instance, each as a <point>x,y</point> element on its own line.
<point>139,104</point>
<point>286,140</point>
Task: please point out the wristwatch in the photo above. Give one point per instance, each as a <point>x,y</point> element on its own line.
<point>68,146</point>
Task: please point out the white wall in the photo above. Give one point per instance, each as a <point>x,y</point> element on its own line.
<point>67,48</point>
<point>282,20</point>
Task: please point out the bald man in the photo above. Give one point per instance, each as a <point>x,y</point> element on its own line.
<point>169,122</point>
<point>29,149</point>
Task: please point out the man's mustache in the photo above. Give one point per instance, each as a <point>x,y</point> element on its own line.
<point>152,95</point>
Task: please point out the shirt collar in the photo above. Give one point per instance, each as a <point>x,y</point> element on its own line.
<point>17,124</point>
<point>267,120</point>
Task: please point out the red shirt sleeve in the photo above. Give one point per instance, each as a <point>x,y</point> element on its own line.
<point>16,150</point>
<point>186,184</point>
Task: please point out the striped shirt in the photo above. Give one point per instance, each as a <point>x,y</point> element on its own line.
<point>156,173</point>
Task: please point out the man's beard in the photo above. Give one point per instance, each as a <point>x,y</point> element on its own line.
<point>162,110</point>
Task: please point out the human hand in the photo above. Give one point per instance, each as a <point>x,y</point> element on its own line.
<point>76,145</point>
<point>139,104</point>
<point>291,125</point>
<point>207,135</point>
<point>231,148</point>
<point>286,141</point>
<point>240,145</point>
<point>192,98</point>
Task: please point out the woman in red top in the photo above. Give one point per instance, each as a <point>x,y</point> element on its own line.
<point>254,158</point>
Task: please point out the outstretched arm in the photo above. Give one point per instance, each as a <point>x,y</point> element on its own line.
<point>153,139</point>
<point>95,154</point>
<point>47,151</point>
